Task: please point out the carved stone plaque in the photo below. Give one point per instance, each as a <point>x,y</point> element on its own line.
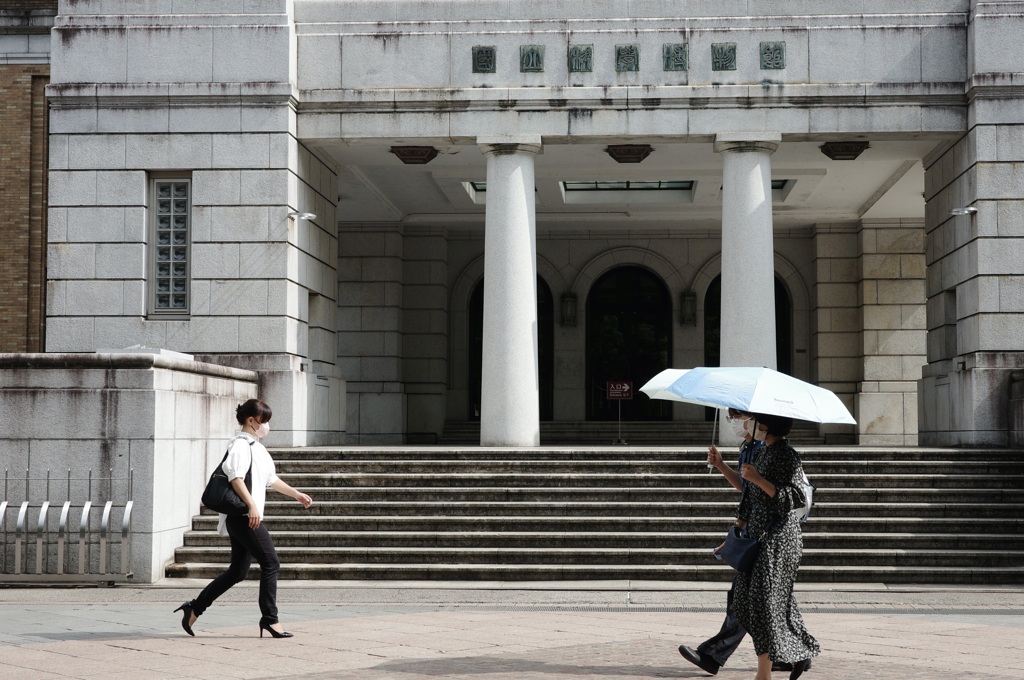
<point>676,56</point>
<point>531,58</point>
<point>723,56</point>
<point>773,55</point>
<point>484,58</point>
<point>581,58</point>
<point>627,58</point>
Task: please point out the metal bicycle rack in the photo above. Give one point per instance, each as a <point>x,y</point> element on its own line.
<point>60,569</point>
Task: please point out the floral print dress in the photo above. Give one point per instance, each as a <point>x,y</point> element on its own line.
<point>764,601</point>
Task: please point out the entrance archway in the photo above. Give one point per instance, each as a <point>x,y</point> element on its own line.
<point>629,337</point>
<point>545,349</point>
<point>783,325</point>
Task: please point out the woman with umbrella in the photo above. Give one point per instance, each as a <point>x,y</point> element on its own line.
<point>764,601</point>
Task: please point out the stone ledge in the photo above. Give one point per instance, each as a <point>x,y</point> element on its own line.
<point>127,360</point>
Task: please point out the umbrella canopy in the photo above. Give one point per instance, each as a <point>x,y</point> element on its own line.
<point>756,390</point>
<point>657,387</point>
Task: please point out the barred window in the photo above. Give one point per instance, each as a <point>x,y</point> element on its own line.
<point>171,219</point>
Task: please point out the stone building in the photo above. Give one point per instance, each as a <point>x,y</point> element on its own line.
<point>403,214</point>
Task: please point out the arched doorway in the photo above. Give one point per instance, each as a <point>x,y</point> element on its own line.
<point>629,337</point>
<point>783,325</point>
<point>545,348</point>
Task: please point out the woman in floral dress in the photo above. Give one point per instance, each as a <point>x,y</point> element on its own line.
<point>764,601</point>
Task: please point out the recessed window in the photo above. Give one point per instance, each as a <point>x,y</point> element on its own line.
<point>170,210</point>
<point>630,192</point>
<point>628,185</point>
<point>478,186</point>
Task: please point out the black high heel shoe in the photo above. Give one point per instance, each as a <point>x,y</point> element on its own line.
<point>798,668</point>
<point>264,626</point>
<point>186,617</point>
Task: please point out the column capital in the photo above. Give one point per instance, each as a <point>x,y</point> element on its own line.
<point>500,145</point>
<point>762,140</point>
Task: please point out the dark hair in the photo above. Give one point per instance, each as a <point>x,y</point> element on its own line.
<point>736,413</point>
<point>254,408</point>
<point>778,426</point>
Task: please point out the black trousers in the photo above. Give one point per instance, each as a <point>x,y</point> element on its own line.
<point>724,643</point>
<point>246,544</point>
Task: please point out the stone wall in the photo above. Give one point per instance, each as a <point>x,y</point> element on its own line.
<point>164,421</point>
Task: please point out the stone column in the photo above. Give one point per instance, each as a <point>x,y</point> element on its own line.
<point>748,254</point>
<point>509,408</point>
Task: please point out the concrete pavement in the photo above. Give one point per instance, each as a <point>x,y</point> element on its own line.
<point>608,630</point>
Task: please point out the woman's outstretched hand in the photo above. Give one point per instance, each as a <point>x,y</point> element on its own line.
<point>305,499</point>
<point>714,456</point>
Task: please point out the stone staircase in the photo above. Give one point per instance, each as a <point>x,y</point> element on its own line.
<point>606,433</point>
<point>881,515</point>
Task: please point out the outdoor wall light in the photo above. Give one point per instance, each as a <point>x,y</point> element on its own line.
<point>970,210</point>
<point>688,308</point>
<point>302,215</point>
<point>569,310</point>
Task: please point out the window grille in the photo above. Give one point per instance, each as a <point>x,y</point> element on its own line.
<point>171,210</point>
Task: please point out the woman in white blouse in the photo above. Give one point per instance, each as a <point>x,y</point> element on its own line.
<point>249,536</point>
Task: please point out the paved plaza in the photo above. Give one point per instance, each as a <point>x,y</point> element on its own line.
<point>495,630</point>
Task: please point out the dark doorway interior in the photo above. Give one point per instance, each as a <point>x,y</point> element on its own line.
<point>629,338</point>
<point>545,349</point>
<point>713,326</point>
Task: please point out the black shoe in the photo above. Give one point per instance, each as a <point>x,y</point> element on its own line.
<point>186,617</point>
<point>702,661</point>
<point>264,626</point>
<point>799,667</point>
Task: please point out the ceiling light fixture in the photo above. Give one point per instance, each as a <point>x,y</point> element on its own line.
<point>844,151</point>
<point>415,155</point>
<point>629,153</point>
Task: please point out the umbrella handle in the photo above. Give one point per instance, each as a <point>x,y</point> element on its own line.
<point>714,429</point>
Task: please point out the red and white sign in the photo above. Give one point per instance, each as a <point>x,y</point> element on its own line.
<point>620,389</point>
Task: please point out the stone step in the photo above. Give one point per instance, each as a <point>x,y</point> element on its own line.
<point>720,493</point>
<point>606,556</point>
<point>628,539</point>
<point>674,453</point>
<point>981,575</point>
<point>625,509</point>
<point>468,523</point>
<point>633,467</point>
<point>526,479</point>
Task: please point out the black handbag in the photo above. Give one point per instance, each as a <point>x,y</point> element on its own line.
<point>740,552</point>
<point>219,496</point>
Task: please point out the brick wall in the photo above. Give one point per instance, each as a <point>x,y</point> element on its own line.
<point>23,167</point>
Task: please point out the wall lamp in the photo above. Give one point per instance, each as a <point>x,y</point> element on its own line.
<point>688,308</point>
<point>970,210</point>
<point>569,310</point>
<point>302,215</point>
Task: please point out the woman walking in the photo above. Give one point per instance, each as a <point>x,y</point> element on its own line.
<point>764,601</point>
<point>249,536</point>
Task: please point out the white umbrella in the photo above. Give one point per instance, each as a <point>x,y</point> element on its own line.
<point>657,387</point>
<point>758,390</point>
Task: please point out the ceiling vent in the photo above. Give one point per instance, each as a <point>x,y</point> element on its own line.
<point>414,155</point>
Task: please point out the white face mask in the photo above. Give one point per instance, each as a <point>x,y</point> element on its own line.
<point>262,431</point>
<point>739,427</point>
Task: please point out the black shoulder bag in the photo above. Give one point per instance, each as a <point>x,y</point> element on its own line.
<point>219,496</point>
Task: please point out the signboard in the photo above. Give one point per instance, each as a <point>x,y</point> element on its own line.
<point>620,389</point>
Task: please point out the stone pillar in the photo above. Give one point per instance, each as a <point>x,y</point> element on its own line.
<point>425,333</point>
<point>893,318</point>
<point>748,269</point>
<point>370,336</point>
<point>509,408</point>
